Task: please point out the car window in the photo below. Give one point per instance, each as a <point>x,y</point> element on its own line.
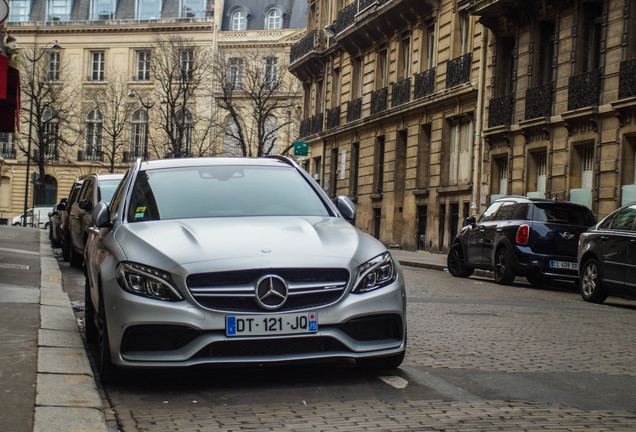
<point>218,191</point>
<point>114,202</point>
<point>106,189</point>
<point>490,212</point>
<point>605,223</point>
<point>87,189</point>
<point>520,212</point>
<point>505,211</point>
<point>563,214</point>
<point>624,219</point>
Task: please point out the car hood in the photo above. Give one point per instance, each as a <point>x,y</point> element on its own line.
<point>246,242</point>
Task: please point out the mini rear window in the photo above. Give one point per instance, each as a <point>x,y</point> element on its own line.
<point>563,214</point>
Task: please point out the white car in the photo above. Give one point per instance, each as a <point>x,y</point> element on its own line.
<point>41,217</point>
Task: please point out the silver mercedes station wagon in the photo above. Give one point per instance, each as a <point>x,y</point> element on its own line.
<point>236,261</point>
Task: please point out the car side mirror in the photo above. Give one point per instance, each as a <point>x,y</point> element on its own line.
<point>470,220</point>
<point>101,216</point>
<point>61,207</point>
<point>346,207</point>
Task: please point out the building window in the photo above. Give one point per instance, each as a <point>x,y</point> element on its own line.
<point>335,88</point>
<point>6,145</point>
<point>53,70</point>
<point>404,59</point>
<point>381,71</point>
<point>238,20</point>
<point>500,174</point>
<point>544,56</point>
<point>270,73</point>
<point>464,32</point>
<point>430,47</point>
<point>356,77</point>
<point>587,167</point>
<point>231,141</point>
<point>143,66</point>
<point>504,73</point>
<point>138,133</point>
<point>273,19</point>
<point>541,172</point>
<point>355,168</point>
<point>378,178</point>
<point>460,152</point>
<point>103,10</point>
<point>19,10</point>
<point>148,9</point>
<point>591,35</point>
<point>185,126</point>
<point>59,10</point>
<point>97,66</point>
<point>51,134</point>
<point>186,64</point>
<point>94,127</point>
<point>235,74</point>
<point>192,9</point>
<point>319,98</point>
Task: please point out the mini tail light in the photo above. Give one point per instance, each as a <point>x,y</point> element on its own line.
<point>523,233</point>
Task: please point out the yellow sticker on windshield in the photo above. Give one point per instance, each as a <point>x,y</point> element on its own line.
<point>139,213</point>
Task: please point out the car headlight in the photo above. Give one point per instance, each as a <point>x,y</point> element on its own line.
<point>375,273</point>
<point>147,282</point>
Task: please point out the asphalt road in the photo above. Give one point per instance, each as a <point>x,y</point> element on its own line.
<point>480,357</point>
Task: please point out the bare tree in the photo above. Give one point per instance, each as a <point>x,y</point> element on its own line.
<point>260,97</point>
<point>114,108</point>
<point>47,110</point>
<point>181,70</point>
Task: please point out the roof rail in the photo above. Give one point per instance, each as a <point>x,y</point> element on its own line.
<point>282,158</point>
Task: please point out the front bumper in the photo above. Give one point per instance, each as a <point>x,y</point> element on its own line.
<point>151,333</point>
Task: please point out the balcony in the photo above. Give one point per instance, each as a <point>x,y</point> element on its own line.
<point>305,128</point>
<point>93,156</point>
<point>382,18</point>
<point>401,92</point>
<point>539,102</point>
<point>627,79</point>
<point>354,110</point>
<point>458,70</point>
<point>424,84</point>
<point>316,123</point>
<point>499,15</point>
<point>584,90</point>
<point>378,100</point>
<point>500,111</point>
<point>333,118</point>
<point>305,59</point>
<point>8,153</point>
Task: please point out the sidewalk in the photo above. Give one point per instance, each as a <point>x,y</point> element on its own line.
<point>67,399</point>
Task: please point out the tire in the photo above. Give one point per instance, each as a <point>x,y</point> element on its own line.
<point>75,259</point>
<point>66,249</point>
<point>107,372</point>
<point>90,329</point>
<point>590,285</point>
<point>388,362</point>
<point>457,264</point>
<point>536,279</point>
<point>503,270</point>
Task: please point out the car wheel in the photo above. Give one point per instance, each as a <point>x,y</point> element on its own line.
<point>388,362</point>
<point>107,372</point>
<point>503,270</point>
<point>457,264</point>
<point>66,249</point>
<point>591,287</point>
<point>90,329</point>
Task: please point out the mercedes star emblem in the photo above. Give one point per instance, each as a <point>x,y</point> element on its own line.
<point>271,292</point>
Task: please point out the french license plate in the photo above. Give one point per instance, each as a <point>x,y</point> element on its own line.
<point>564,265</point>
<point>271,324</point>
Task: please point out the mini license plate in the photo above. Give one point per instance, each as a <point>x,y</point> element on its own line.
<point>564,265</point>
<point>259,325</point>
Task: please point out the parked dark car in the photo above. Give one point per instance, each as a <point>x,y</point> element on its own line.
<point>65,216</point>
<point>519,236</point>
<point>55,223</point>
<point>607,256</point>
<point>95,188</point>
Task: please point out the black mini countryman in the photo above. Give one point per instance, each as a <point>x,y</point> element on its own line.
<point>519,236</point>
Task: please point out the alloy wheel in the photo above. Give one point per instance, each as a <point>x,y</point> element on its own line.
<point>590,279</point>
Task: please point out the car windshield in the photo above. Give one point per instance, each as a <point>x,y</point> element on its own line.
<point>107,189</point>
<point>218,191</point>
<point>563,214</point>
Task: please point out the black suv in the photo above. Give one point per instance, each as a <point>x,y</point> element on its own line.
<point>519,236</point>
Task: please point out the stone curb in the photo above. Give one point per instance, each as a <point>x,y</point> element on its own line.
<point>431,266</point>
<point>67,399</point>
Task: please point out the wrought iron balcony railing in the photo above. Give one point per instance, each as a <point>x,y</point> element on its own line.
<point>584,90</point>
<point>539,101</point>
<point>627,79</point>
<point>346,17</point>
<point>500,110</point>
<point>333,118</point>
<point>401,92</point>
<point>458,70</point>
<point>305,127</point>
<point>424,84</point>
<point>312,42</point>
<point>8,153</point>
<point>378,100</point>
<point>316,123</point>
<point>363,4</point>
<point>96,156</point>
<point>354,110</point>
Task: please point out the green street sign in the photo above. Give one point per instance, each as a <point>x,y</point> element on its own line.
<point>301,148</point>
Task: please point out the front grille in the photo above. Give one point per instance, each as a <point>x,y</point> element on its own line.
<point>272,347</point>
<point>234,291</point>
<point>157,338</point>
<point>373,328</point>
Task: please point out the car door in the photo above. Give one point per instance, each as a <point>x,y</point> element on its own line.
<point>494,230</point>
<point>630,267</point>
<point>614,245</point>
<point>475,236</point>
<point>75,218</point>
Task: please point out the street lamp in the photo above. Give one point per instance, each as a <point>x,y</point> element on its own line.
<point>36,57</point>
<point>147,105</point>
